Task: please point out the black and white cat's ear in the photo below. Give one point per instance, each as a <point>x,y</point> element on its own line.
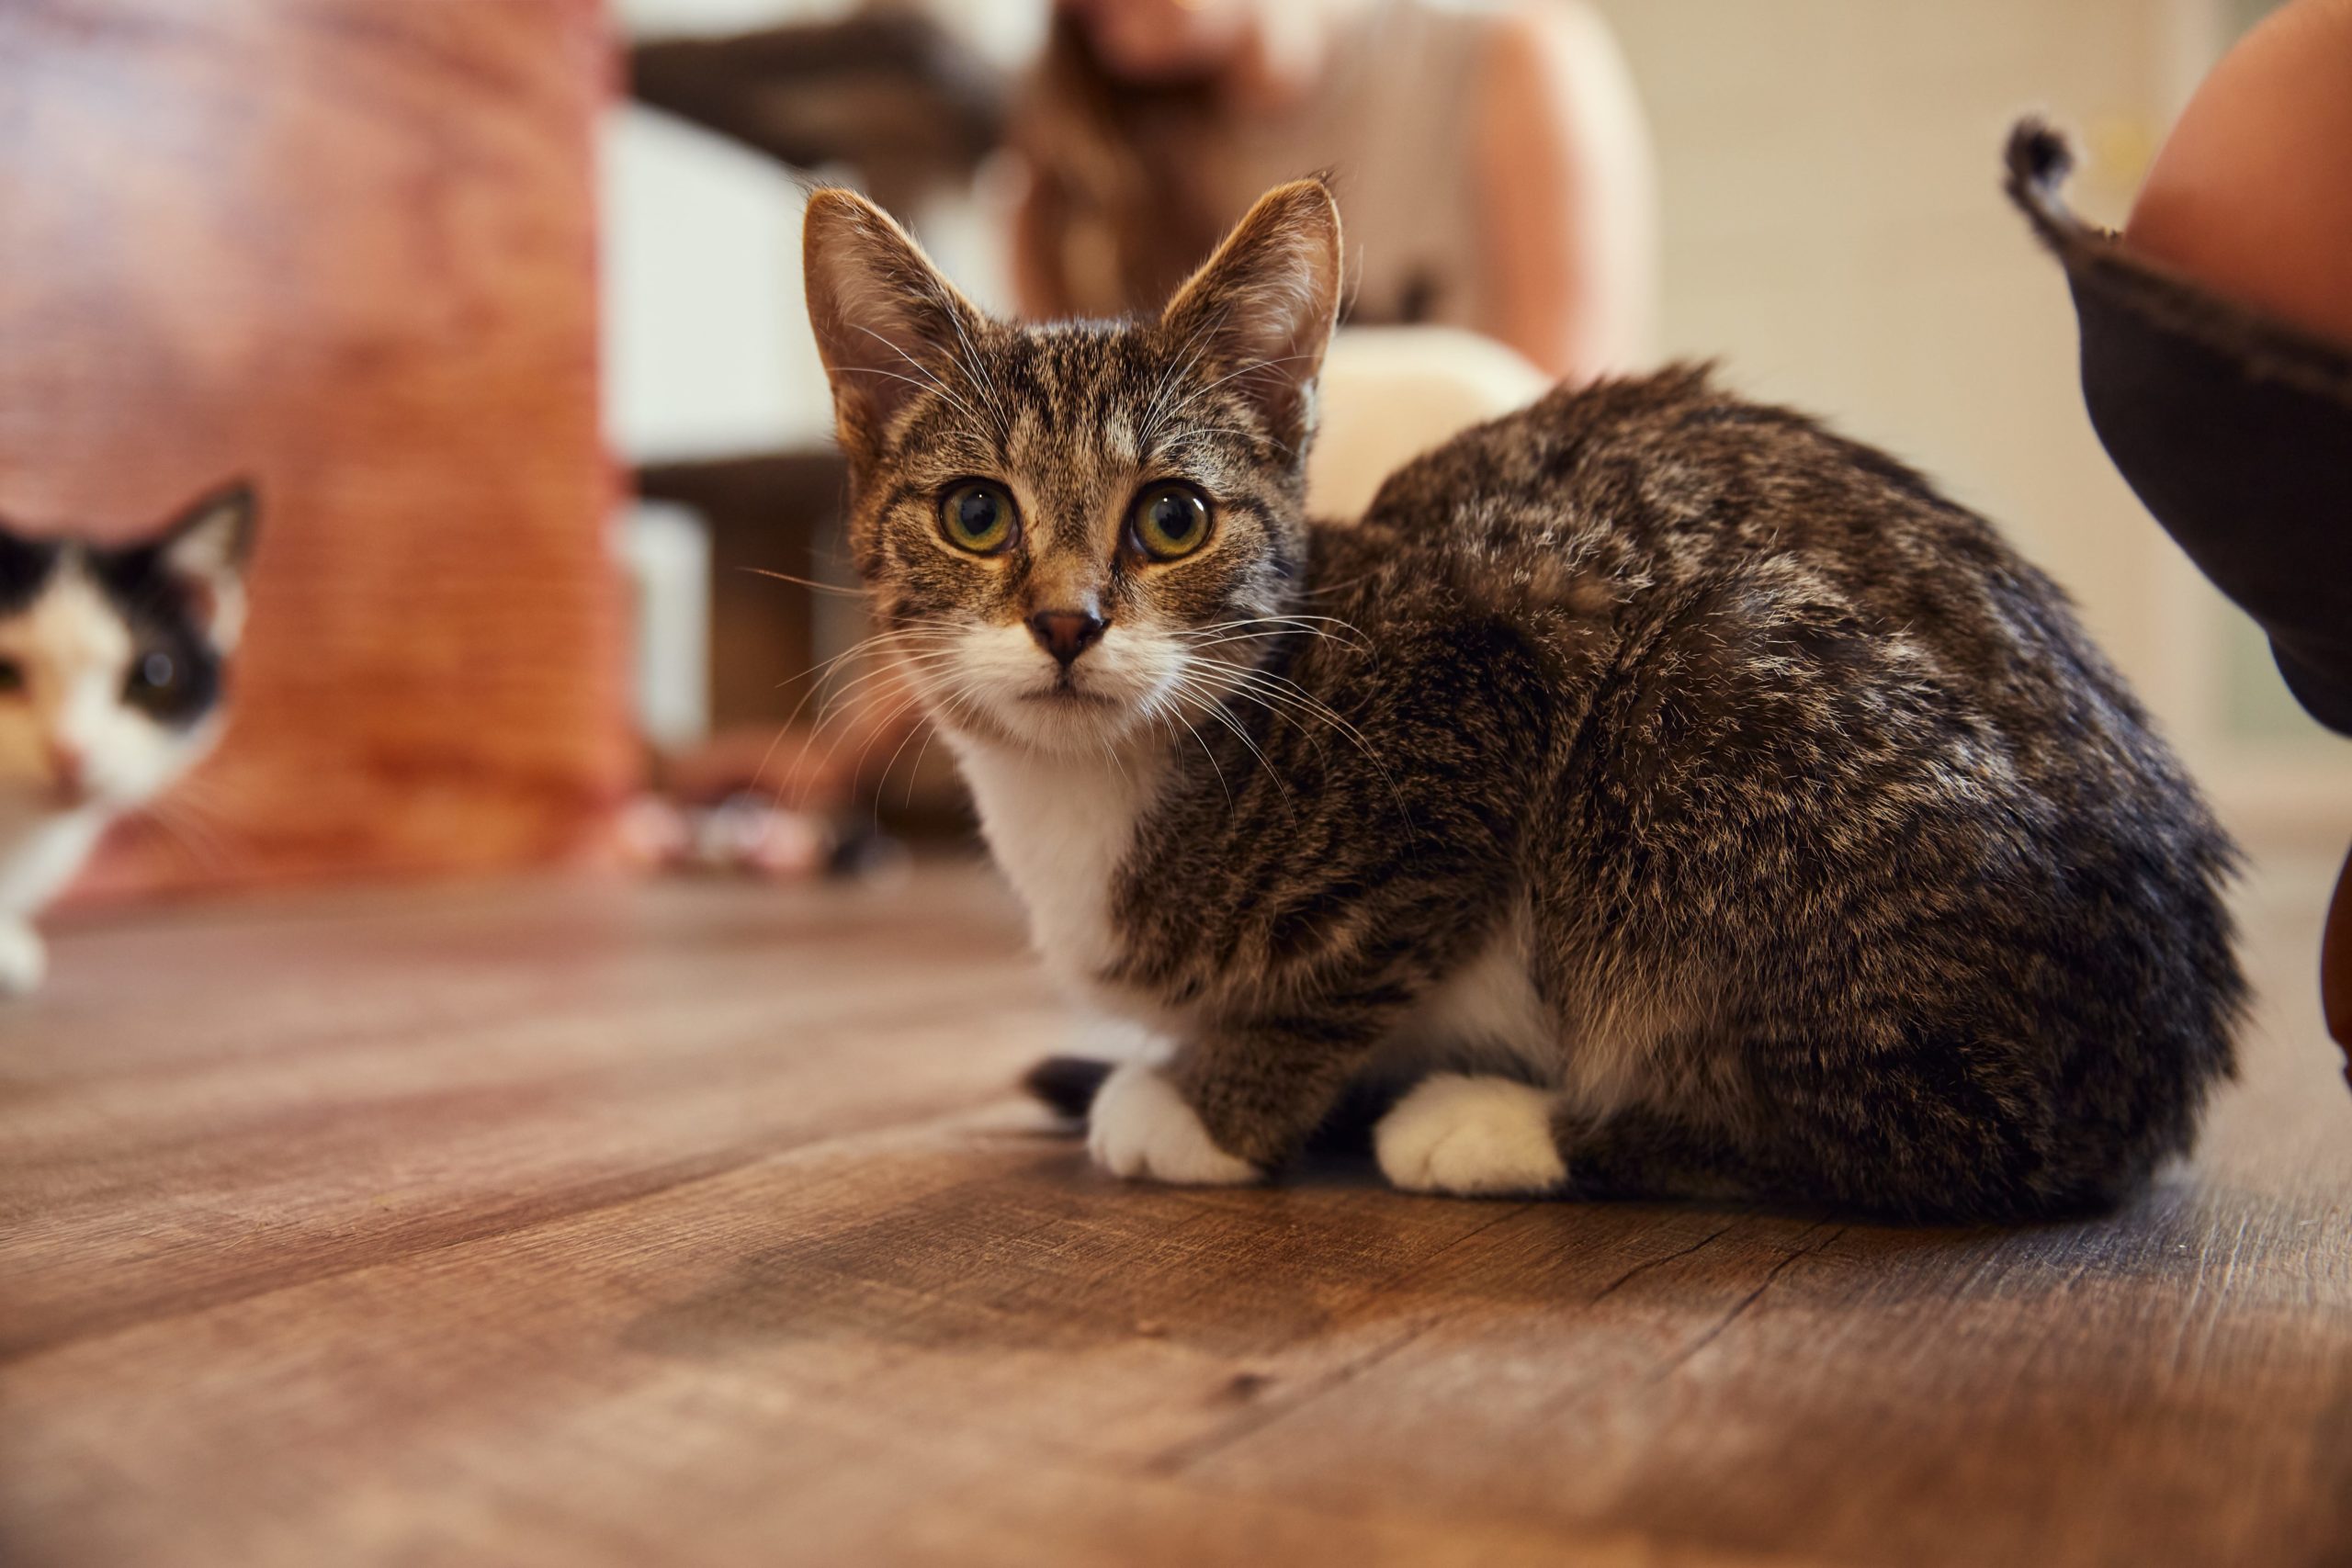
<point>206,548</point>
<point>1264,305</point>
<point>883,315</point>
<point>210,540</point>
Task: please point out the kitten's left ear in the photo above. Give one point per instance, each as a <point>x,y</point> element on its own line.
<point>210,541</point>
<point>1265,303</point>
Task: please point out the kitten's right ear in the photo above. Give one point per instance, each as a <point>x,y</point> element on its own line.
<point>883,315</point>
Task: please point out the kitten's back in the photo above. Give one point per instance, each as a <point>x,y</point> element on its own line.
<point>1834,742</point>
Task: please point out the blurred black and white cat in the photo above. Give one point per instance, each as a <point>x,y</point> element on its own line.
<point>112,665</point>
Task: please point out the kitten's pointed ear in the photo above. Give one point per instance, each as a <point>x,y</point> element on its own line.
<point>1265,303</point>
<point>883,315</point>
<point>206,547</point>
<point>211,538</point>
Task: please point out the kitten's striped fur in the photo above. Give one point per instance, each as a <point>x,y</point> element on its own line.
<point>1689,800</point>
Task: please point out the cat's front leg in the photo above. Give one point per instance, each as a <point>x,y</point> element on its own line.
<point>1141,1127</point>
<point>24,957</point>
<point>1227,1106</point>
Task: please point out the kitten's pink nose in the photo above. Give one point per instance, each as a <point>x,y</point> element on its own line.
<point>68,765</point>
<point>1065,633</point>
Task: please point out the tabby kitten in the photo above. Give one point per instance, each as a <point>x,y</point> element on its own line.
<point>1653,793</point>
<point>110,685</point>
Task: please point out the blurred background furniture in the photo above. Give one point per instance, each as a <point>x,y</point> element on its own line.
<point>1388,392</point>
<point>891,95</point>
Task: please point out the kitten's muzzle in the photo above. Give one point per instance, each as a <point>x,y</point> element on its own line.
<point>1065,633</point>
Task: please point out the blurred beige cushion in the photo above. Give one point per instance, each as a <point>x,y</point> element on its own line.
<point>1390,393</point>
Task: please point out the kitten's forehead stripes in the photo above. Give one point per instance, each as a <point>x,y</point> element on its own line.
<point>1116,389</point>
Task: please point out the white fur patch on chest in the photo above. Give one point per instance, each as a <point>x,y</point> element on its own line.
<point>1059,827</point>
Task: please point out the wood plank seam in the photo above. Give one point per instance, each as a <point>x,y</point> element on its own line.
<point>1739,1308</point>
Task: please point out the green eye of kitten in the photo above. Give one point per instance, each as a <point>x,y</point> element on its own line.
<point>978,516</point>
<point>1171,521</point>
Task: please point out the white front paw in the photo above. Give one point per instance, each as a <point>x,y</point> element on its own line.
<point>24,961</point>
<point>1472,1136</point>
<point>1140,1127</point>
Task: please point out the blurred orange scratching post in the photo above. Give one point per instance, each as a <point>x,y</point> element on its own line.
<point>345,246</point>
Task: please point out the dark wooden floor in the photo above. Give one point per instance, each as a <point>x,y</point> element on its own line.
<point>576,1225</point>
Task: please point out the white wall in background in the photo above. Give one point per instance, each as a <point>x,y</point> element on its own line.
<point>1835,232</point>
<point>707,345</point>
<point>707,349</point>
<point>667,552</point>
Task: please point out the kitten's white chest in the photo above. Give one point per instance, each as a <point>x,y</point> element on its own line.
<point>40,852</point>
<point>1059,828</point>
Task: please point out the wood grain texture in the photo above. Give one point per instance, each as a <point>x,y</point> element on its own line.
<point>345,246</point>
<point>583,1224</point>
